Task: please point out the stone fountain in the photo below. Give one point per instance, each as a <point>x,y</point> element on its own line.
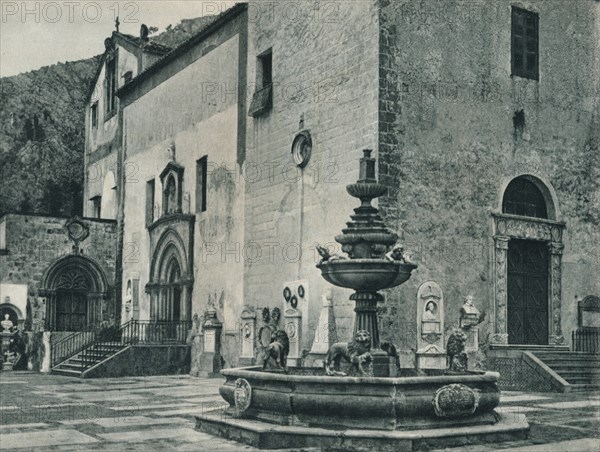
<point>371,267</point>
<point>273,406</point>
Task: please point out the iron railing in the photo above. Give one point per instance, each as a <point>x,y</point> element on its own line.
<point>586,340</point>
<point>71,345</point>
<point>134,332</point>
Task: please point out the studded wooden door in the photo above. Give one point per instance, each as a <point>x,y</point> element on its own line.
<point>71,311</point>
<point>527,292</point>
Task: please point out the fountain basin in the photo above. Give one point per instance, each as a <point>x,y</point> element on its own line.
<point>363,402</point>
<point>365,274</point>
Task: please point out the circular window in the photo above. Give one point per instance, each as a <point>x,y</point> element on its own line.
<point>302,148</point>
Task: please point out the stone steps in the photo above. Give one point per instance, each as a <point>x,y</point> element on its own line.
<point>581,370</point>
<point>88,358</point>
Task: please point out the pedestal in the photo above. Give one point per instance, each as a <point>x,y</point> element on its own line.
<point>293,328</point>
<point>211,362</point>
<point>325,334</point>
<point>366,319</point>
<point>248,335</point>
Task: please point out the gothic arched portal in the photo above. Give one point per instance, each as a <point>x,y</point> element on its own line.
<point>75,288</point>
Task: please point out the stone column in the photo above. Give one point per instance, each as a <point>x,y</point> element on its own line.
<point>293,328</point>
<point>555,275</point>
<point>500,335</point>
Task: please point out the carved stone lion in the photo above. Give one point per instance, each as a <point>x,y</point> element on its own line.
<point>455,349</point>
<point>277,352</point>
<point>356,352</point>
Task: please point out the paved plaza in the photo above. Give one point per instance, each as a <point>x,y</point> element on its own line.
<point>48,412</point>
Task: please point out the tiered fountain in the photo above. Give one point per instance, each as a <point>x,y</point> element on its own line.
<point>305,407</point>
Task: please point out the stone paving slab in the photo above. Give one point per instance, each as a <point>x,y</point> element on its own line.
<point>44,438</point>
<point>155,406</point>
<point>575,404</point>
<point>181,434</point>
<point>522,398</point>
<point>577,445</point>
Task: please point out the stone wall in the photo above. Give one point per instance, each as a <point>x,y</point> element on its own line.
<point>448,143</point>
<point>35,242</point>
<point>324,81</point>
<point>191,103</point>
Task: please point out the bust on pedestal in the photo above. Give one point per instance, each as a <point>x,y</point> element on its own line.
<point>7,324</point>
<point>470,317</point>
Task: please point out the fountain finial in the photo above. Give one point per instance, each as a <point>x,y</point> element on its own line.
<point>366,174</point>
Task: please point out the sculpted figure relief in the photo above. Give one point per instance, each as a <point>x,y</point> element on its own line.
<point>356,352</point>
<point>430,312</point>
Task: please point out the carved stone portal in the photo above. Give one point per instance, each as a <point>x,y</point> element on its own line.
<point>508,227</point>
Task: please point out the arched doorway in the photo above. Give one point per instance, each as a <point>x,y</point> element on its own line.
<point>528,255</point>
<point>527,273</point>
<point>75,288</point>
<point>170,287</point>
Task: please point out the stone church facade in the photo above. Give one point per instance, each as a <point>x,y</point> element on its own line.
<point>223,162</point>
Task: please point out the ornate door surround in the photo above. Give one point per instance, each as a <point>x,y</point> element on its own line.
<point>508,227</point>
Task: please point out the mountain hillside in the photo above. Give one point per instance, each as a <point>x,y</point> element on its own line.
<point>42,131</point>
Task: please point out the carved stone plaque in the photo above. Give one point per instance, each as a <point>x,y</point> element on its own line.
<point>455,400</point>
<point>242,395</point>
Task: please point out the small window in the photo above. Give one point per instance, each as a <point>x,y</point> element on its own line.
<point>128,76</point>
<point>263,96</point>
<point>525,44</point>
<point>266,69</point>
<point>201,170</point>
<point>110,99</point>
<point>150,202</point>
<point>94,115</point>
<point>523,197</point>
<point>96,204</point>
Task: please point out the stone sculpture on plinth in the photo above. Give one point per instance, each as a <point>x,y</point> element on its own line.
<point>277,351</point>
<point>7,324</point>
<point>470,318</point>
<point>357,353</point>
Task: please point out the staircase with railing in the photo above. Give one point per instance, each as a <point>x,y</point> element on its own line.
<point>90,351</point>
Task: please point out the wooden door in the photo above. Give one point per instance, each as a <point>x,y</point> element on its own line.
<point>527,292</point>
<point>71,311</point>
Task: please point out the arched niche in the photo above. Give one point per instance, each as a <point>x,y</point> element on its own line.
<point>172,180</point>
<point>527,213</point>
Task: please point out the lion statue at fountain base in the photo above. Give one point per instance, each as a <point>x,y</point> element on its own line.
<point>357,352</point>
